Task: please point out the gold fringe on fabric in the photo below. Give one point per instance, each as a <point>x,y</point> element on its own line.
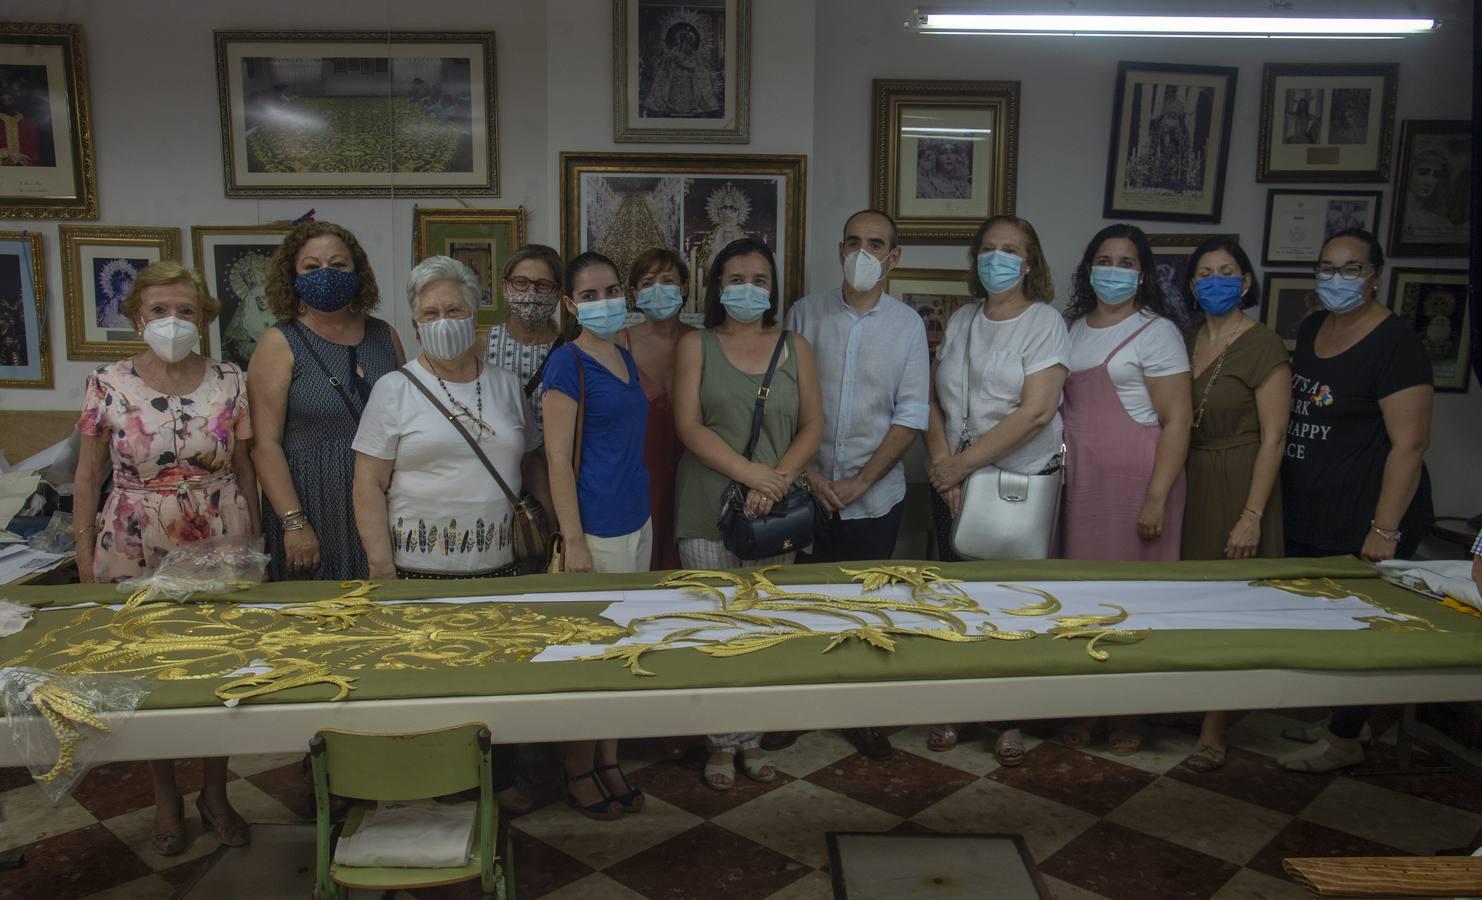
<point>1328,589</point>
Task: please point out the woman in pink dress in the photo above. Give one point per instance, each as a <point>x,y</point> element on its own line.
<point>173,427</point>
<point>657,283</point>
<point>1128,408</point>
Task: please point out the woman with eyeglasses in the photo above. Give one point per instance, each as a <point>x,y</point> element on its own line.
<point>1242,399</point>
<point>1353,480</point>
<point>523,342</point>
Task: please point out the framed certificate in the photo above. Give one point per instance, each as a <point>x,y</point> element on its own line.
<point>1298,222</point>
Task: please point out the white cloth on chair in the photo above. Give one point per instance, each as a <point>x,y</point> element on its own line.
<point>1449,577</point>
<point>419,834</point>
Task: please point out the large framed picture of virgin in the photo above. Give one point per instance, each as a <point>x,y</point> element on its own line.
<point>47,170</point>
<point>1433,214</point>
<point>1322,122</point>
<point>681,71</point>
<point>621,204</point>
<point>358,114</point>
<point>234,261</point>
<point>1170,139</point>
<point>25,357</point>
<point>945,155</point>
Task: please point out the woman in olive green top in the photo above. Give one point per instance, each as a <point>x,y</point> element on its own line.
<point>1242,395</point>
<point>716,377</point>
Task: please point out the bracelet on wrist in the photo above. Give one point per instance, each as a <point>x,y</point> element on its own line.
<point>295,525</point>
<point>1388,535</point>
<point>291,514</point>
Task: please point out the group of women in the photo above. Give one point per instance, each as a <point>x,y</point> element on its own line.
<point>1206,445</point>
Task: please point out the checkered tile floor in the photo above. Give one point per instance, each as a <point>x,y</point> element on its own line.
<point>1128,828</point>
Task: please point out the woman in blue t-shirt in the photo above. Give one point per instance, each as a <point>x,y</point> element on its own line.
<point>599,487</point>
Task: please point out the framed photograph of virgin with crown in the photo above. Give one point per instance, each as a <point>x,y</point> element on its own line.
<point>681,71</point>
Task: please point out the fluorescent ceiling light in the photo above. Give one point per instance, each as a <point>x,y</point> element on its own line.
<point>929,22</point>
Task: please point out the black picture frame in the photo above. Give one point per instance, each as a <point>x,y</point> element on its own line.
<point>1287,298</point>
<point>1302,145</point>
<point>1152,175</point>
<point>1437,223</point>
<point>1300,245</point>
<point>1433,302</point>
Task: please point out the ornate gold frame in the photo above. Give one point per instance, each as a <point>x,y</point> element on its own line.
<point>424,218</point>
<point>83,202</point>
<point>38,292</point>
<point>73,238</point>
<point>794,168</point>
<point>888,96</point>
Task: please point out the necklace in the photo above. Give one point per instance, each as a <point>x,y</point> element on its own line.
<point>478,393</point>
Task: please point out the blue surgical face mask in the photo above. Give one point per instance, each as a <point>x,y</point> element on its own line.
<point>327,290</point>
<point>604,317</point>
<point>1114,285</point>
<point>999,271</point>
<point>1219,294</point>
<point>746,302</point>
<point>1341,294</point>
<point>660,301</point>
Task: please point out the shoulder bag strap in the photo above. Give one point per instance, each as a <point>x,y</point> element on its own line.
<point>478,451</point>
<point>761,396</point>
<point>334,380</point>
<point>581,410</point>
<point>534,381</point>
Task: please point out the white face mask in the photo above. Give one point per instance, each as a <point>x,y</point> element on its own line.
<point>171,339</point>
<point>862,270</point>
<point>446,338</point>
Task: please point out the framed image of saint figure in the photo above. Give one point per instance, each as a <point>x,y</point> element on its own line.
<point>25,354</point>
<point>47,168</point>
<point>1433,214</point>
<point>1324,122</point>
<point>98,268</point>
<point>234,261</point>
<point>681,71</point>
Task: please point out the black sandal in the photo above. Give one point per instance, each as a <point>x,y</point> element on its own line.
<point>604,810</point>
<point>630,800</point>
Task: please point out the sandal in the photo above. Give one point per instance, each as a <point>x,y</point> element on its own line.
<point>720,776</point>
<point>1075,734</point>
<point>1324,756</point>
<point>1125,739</point>
<point>173,843</point>
<point>941,738</point>
<point>630,800</point>
<point>1009,748</point>
<point>233,835</point>
<point>604,810</point>
<point>1206,758</point>
<point>758,768</point>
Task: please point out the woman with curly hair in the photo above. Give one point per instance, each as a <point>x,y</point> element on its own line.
<point>309,380</point>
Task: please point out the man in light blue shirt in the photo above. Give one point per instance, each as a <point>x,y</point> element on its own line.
<point>875,374</point>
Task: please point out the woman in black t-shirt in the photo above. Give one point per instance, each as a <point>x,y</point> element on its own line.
<point>1354,479</point>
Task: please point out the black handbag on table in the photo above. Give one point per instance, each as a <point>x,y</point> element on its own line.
<point>789,526</point>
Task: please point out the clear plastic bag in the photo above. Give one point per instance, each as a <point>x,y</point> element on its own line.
<point>214,566</point>
<point>56,537</point>
<point>58,721</point>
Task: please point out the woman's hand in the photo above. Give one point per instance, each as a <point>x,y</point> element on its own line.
<point>1243,537</point>
<point>768,482</point>
<point>953,496</point>
<point>382,572</point>
<point>1150,519</point>
<point>948,473</point>
<point>578,556</point>
<point>1376,548</point>
<point>757,504</point>
<point>301,549</point>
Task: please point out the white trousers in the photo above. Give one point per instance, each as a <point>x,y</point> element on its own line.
<point>625,553</point>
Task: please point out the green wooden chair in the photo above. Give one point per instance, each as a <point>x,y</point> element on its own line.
<point>371,767</point>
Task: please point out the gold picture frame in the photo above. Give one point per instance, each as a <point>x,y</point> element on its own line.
<point>480,238</point>
<point>25,339</point>
<point>955,143</point>
<point>696,204</point>
<point>47,67</point>
<point>233,259</point>
<point>98,268</point>
<point>935,294</point>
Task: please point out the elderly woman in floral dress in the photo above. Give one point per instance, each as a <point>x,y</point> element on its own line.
<point>173,427</point>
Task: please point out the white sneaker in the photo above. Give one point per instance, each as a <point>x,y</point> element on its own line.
<point>1325,756</point>
<point>1311,734</point>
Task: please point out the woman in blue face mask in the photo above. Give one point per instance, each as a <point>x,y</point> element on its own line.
<point>309,380</point>
<point>658,284</point>
<point>600,486</point>
<point>1127,413</point>
<point>716,379</point>
<point>1242,400</point>
<point>1353,477</point>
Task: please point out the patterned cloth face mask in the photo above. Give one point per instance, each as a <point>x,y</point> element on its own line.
<point>327,290</point>
<point>531,307</point>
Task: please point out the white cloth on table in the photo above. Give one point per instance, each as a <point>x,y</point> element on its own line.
<point>1451,578</point>
<point>418,834</point>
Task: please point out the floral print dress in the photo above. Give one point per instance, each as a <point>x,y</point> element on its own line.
<point>172,464</point>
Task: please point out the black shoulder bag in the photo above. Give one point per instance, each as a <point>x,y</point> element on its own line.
<point>334,380</point>
<point>790,524</point>
<point>529,536</point>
